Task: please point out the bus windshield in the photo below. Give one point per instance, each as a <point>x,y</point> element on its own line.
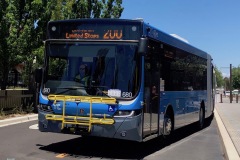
<point>91,69</point>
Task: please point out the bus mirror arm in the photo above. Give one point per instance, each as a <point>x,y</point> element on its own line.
<point>38,75</point>
<point>142,47</point>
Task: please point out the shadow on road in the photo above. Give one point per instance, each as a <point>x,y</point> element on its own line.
<point>119,149</point>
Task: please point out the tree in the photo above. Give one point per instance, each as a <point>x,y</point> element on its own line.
<point>236,77</point>
<point>8,34</point>
<point>86,9</point>
<point>219,77</point>
<point>23,28</point>
<point>226,84</point>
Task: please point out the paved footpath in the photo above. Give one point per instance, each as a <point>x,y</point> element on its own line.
<point>229,115</point>
<point>16,120</point>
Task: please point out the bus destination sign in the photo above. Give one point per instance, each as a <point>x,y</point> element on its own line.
<point>93,31</point>
<point>91,34</point>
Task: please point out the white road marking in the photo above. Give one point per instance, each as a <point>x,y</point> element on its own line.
<point>35,126</point>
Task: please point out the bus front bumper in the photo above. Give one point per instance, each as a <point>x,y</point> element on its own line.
<point>127,128</point>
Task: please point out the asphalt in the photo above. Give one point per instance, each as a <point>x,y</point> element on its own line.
<point>226,114</point>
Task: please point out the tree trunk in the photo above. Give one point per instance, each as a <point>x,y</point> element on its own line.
<point>4,80</point>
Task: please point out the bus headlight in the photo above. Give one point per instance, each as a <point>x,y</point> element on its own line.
<point>126,113</point>
<point>123,113</point>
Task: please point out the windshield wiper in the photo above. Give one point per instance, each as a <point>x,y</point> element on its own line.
<point>70,88</point>
<point>100,90</point>
<point>85,88</point>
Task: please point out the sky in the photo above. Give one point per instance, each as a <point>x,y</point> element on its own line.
<point>210,25</point>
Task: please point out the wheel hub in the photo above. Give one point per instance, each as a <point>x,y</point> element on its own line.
<point>168,126</point>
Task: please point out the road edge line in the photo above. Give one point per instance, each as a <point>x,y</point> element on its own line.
<point>230,150</point>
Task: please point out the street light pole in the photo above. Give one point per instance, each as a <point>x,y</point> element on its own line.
<point>231,98</point>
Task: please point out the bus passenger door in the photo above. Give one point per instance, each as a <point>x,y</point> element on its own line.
<point>151,92</point>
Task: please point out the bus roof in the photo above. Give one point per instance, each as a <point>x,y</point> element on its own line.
<point>101,20</point>
<point>159,35</point>
<point>145,29</point>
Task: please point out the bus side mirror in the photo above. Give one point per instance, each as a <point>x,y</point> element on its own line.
<point>142,47</point>
<point>38,75</point>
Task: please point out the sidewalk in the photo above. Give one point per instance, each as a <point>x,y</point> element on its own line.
<point>228,118</point>
<point>16,120</point>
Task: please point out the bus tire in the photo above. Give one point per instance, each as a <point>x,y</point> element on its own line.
<point>168,123</point>
<point>201,117</point>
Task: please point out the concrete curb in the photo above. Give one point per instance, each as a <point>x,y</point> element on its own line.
<point>230,150</point>
<point>16,120</point>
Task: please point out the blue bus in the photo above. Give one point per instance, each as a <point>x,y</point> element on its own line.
<point>122,79</point>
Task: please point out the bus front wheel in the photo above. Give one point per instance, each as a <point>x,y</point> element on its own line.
<point>201,117</point>
<point>168,125</point>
